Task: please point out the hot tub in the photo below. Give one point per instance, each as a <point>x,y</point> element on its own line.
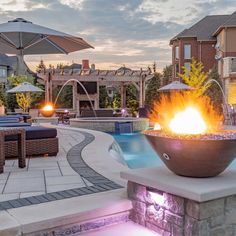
<point>108,124</point>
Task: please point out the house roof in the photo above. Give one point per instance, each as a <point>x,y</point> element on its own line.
<point>8,61</point>
<point>203,30</point>
<point>230,22</point>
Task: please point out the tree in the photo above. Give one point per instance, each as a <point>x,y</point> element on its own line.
<point>152,93</point>
<point>103,97</point>
<point>167,75</point>
<point>154,66</point>
<point>2,95</point>
<point>195,78</point>
<point>65,100</point>
<point>131,99</point>
<point>214,91</point>
<point>23,100</point>
<point>41,66</point>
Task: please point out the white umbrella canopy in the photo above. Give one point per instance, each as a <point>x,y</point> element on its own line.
<point>22,37</point>
<point>175,85</point>
<point>25,87</point>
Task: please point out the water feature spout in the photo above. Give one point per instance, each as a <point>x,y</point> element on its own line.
<point>82,86</point>
<point>222,91</point>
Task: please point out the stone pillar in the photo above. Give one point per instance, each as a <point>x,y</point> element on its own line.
<point>179,216</point>
<point>180,206</point>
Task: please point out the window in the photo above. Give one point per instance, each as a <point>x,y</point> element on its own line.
<point>3,73</point>
<point>187,51</point>
<point>176,70</point>
<point>177,52</point>
<point>187,65</point>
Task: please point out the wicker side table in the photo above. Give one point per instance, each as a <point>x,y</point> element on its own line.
<point>21,145</point>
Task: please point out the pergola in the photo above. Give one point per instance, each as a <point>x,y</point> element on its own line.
<point>118,79</point>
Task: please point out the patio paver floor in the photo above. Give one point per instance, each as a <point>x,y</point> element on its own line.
<point>52,178</point>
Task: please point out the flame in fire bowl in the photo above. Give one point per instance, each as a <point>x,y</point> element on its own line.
<point>48,110</point>
<point>195,156</point>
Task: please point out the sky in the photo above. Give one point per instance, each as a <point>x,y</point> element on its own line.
<point>134,33</point>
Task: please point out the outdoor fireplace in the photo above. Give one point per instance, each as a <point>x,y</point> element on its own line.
<point>190,140</point>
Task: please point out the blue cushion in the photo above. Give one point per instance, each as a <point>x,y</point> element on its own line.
<point>13,124</point>
<point>11,120</point>
<point>35,132</point>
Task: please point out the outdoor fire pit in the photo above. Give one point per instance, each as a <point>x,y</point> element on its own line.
<point>190,140</point>
<point>47,111</point>
<point>195,156</point>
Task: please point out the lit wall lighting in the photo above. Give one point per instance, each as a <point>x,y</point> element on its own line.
<point>157,198</point>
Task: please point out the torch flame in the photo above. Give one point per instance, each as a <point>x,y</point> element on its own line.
<point>188,121</point>
<point>182,113</point>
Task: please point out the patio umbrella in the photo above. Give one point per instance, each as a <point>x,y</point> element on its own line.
<point>22,37</point>
<point>175,85</point>
<point>25,87</point>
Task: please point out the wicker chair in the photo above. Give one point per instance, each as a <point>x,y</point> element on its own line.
<point>36,144</point>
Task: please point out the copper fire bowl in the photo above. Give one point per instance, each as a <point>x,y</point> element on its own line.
<point>195,157</point>
<point>47,113</point>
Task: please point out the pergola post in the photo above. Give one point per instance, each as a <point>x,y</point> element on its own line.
<point>123,95</point>
<point>47,88</point>
<point>141,92</point>
<point>96,105</point>
<point>74,94</point>
<point>50,88</point>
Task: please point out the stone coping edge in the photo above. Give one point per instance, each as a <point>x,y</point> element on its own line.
<point>197,189</point>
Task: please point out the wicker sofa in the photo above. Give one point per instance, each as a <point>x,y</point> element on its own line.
<point>39,141</point>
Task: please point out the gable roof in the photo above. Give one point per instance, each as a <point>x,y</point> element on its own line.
<point>230,22</point>
<point>203,30</point>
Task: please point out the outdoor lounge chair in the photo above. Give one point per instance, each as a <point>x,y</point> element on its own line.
<point>39,141</point>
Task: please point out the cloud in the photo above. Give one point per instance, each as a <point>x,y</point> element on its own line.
<point>134,32</point>
<point>77,4</point>
<point>20,5</point>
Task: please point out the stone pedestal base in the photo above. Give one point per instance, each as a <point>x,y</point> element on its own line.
<point>49,120</point>
<point>163,211</point>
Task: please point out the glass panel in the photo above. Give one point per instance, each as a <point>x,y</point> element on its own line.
<point>187,51</point>
<point>176,70</point>
<point>187,65</point>
<point>3,72</point>
<point>232,93</point>
<point>176,52</point>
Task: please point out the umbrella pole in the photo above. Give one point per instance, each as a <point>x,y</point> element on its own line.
<point>21,68</point>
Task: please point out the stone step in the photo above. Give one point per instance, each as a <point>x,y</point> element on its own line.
<point>74,215</point>
<point>124,229</point>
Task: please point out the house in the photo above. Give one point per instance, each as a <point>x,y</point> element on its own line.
<point>8,67</point>
<point>211,41</point>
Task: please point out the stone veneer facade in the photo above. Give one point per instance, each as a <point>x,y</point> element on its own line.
<point>179,216</point>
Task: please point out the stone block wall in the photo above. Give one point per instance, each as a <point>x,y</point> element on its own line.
<point>171,215</point>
